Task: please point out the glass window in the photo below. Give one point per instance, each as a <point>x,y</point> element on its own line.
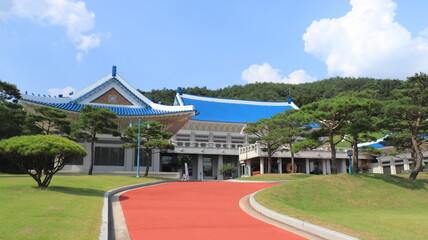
<point>387,169</point>
<point>143,158</point>
<point>208,166</point>
<point>106,156</point>
<point>168,164</point>
<point>399,169</point>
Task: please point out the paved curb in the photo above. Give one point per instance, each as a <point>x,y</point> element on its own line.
<point>305,226</point>
<point>105,212</point>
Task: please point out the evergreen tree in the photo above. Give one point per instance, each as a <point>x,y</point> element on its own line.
<point>41,156</point>
<point>50,121</point>
<point>151,137</point>
<point>331,114</point>
<point>290,129</point>
<point>268,132</point>
<point>407,117</point>
<point>94,121</point>
<point>361,121</point>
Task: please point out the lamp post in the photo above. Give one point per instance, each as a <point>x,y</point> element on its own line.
<point>138,123</point>
<point>351,169</point>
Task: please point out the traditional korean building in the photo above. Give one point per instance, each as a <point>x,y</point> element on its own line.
<point>114,93</point>
<point>208,132</point>
<point>213,137</point>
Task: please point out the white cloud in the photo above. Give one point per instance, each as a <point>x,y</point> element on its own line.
<point>64,91</point>
<point>70,14</point>
<point>265,73</point>
<point>367,41</point>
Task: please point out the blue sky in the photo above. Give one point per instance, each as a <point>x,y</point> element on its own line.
<point>53,46</point>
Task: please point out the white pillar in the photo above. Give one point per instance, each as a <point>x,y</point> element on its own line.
<point>249,168</point>
<point>324,170</point>
<point>393,169</point>
<point>308,171</point>
<point>406,164</point>
<point>262,166</point>
<point>200,168</point>
<point>343,166</point>
<point>220,165</point>
<point>280,165</point>
<point>129,159</point>
<point>155,160</point>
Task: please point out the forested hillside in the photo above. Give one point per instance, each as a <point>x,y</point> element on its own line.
<point>302,93</point>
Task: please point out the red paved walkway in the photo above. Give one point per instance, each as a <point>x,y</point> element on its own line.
<point>195,210</point>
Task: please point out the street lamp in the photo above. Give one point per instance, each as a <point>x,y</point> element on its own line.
<point>138,123</point>
<point>351,169</point>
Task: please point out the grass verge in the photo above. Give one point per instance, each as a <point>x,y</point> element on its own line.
<point>274,177</point>
<point>366,206</point>
<point>70,208</point>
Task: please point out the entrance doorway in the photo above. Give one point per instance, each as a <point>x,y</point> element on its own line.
<point>208,166</point>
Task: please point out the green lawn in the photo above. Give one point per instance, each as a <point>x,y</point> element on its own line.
<point>274,177</point>
<point>368,206</point>
<point>69,209</point>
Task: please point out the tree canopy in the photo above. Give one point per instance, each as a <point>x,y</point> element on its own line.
<point>41,156</point>
<point>12,115</point>
<point>50,120</point>
<point>302,93</point>
<point>331,114</point>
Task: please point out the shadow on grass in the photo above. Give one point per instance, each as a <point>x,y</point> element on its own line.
<point>417,184</point>
<point>77,191</point>
<point>8,175</point>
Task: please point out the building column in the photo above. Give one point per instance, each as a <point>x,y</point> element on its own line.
<point>328,167</point>
<point>262,166</point>
<point>129,159</point>
<point>280,165</point>
<point>406,164</point>
<point>324,170</point>
<point>220,165</point>
<point>344,168</point>
<point>239,168</point>
<point>393,169</point>
<point>308,170</point>
<point>155,161</point>
<point>200,176</point>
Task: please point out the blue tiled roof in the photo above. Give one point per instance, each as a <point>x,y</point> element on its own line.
<point>242,112</point>
<point>122,111</point>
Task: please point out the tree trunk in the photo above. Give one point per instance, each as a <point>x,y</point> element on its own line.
<point>292,160</point>
<point>148,161</point>
<point>333,154</point>
<point>418,157</point>
<point>269,170</point>
<point>355,156</point>
<point>91,167</point>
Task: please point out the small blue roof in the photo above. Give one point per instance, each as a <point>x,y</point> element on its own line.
<point>232,110</point>
<point>375,145</point>
<point>119,110</point>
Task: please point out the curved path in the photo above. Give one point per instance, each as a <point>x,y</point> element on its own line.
<point>195,210</point>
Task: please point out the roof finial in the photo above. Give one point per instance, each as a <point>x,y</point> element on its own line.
<point>113,72</point>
